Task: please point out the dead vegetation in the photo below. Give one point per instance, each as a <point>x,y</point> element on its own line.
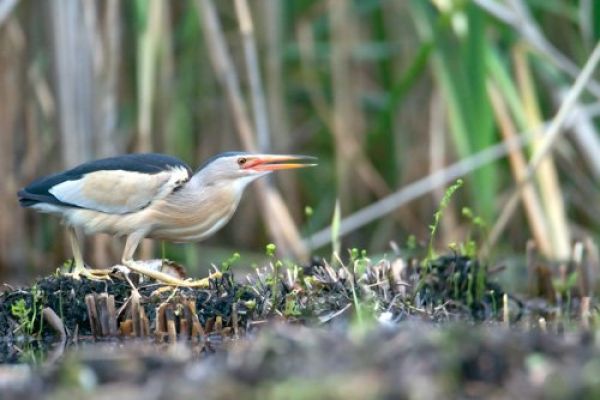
<point>448,288</point>
<point>451,287</point>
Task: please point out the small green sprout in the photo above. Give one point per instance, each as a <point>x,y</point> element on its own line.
<point>292,308</point>
<point>25,316</point>
<point>270,250</point>
<point>308,211</point>
<point>411,242</point>
<point>359,260</point>
<point>277,265</point>
<point>475,220</point>
<point>250,304</point>
<point>469,248</point>
<point>438,216</point>
<point>226,265</point>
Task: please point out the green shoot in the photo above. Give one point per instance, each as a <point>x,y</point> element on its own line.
<point>308,212</point>
<point>438,216</point>
<point>469,248</point>
<point>226,265</point>
<point>277,264</point>
<point>360,261</point>
<point>411,243</point>
<point>270,250</point>
<point>292,308</point>
<point>25,316</point>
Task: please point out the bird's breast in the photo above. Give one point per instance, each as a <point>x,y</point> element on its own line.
<point>188,218</point>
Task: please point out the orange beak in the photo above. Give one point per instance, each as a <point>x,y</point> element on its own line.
<point>271,162</point>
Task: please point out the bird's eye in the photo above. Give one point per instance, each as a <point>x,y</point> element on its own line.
<point>241,161</point>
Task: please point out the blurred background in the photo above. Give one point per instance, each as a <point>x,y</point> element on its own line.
<point>386,93</point>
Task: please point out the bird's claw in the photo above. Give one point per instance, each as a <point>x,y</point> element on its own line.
<point>93,275</point>
<point>167,279</point>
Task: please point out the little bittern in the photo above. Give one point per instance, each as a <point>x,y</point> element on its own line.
<point>151,196</point>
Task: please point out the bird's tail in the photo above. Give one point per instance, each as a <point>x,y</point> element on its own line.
<point>27,199</point>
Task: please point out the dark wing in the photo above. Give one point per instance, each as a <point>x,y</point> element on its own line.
<point>114,185</point>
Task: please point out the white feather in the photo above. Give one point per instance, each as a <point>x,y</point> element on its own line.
<point>48,208</point>
<point>119,191</point>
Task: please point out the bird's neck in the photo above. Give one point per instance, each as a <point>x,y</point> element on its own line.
<point>203,180</point>
<point>203,188</point>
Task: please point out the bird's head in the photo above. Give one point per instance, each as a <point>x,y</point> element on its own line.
<point>241,167</point>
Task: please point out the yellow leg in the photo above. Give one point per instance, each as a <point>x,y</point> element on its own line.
<point>79,269</point>
<point>131,245</point>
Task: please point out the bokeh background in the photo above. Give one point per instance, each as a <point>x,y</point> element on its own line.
<point>384,92</point>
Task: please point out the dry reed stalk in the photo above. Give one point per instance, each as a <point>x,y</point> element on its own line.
<point>90,304</point>
<point>552,134</point>
<point>277,103</point>
<point>420,187</point>
<point>531,201</point>
<point>107,59</point>
<point>257,95</point>
<point>347,123</point>
<point>102,310</point>
<point>12,81</point>
<point>352,148</point>
<point>276,216</point>
<point>147,56</point>
<point>160,323</point>
<point>134,311</point>
<point>517,16</point>
<point>167,98</point>
<point>306,45</point>
<point>144,323</point>
<point>546,175</point>
<point>72,35</point>
<point>586,137</point>
<point>73,26</point>
<point>112,312</point>
<point>171,328</point>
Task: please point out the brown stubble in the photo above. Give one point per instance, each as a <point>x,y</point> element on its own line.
<point>12,80</point>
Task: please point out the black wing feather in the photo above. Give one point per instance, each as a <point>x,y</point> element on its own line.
<point>149,163</point>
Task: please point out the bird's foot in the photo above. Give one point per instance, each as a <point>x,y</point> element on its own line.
<point>149,269</point>
<point>91,274</point>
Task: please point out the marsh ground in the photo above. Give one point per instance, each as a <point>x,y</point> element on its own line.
<point>396,328</point>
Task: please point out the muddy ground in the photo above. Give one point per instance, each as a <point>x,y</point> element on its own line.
<point>396,328</point>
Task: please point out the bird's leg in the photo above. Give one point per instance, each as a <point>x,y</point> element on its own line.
<point>79,269</point>
<point>131,245</point>
<point>77,256</point>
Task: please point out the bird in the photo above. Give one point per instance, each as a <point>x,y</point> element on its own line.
<point>150,195</point>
